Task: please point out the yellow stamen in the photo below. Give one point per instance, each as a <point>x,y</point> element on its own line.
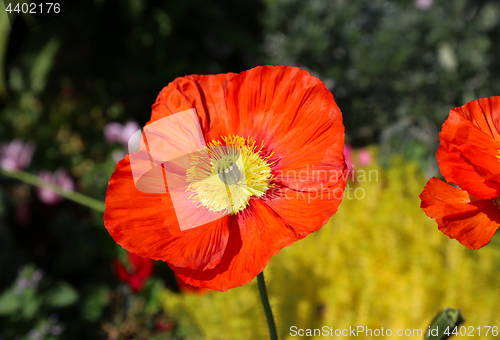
<point>225,175</point>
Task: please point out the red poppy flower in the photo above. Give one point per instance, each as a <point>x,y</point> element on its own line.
<point>142,269</point>
<point>288,132</point>
<point>469,156</point>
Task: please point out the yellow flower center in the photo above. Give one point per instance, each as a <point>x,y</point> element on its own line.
<point>225,175</point>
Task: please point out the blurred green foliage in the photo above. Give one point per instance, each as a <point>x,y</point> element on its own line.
<point>30,300</point>
<point>395,70</point>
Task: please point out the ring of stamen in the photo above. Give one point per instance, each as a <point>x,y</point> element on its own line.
<point>228,173</point>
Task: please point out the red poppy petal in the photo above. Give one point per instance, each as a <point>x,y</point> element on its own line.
<point>470,148</point>
<point>286,108</point>
<point>186,288</point>
<point>145,224</point>
<point>205,93</point>
<point>201,247</point>
<point>313,172</point>
<point>484,113</point>
<point>256,234</point>
<point>305,212</point>
<point>461,216</point>
<point>468,157</point>
<point>294,115</point>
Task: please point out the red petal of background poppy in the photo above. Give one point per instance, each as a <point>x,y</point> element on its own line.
<point>142,267</point>
<point>136,283</point>
<point>256,234</point>
<point>294,115</point>
<point>145,224</point>
<point>484,113</point>
<point>459,215</point>
<point>468,157</point>
<point>121,270</point>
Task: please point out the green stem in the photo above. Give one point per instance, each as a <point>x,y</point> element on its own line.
<point>267,308</point>
<point>69,194</point>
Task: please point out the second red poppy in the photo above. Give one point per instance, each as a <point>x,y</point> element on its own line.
<point>469,157</point>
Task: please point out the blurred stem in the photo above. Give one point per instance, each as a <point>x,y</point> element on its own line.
<point>267,308</point>
<point>71,195</point>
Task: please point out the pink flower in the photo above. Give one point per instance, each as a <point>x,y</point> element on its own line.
<point>348,157</point>
<point>116,132</point>
<point>423,5</point>
<point>16,155</point>
<point>118,155</point>
<point>112,132</point>
<point>364,157</point>
<point>61,178</point>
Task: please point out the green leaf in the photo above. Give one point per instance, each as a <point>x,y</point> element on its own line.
<point>43,64</point>
<point>9,302</point>
<point>62,295</point>
<point>16,81</point>
<point>135,8</point>
<point>30,303</point>
<point>164,23</point>
<point>151,293</point>
<point>94,302</point>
